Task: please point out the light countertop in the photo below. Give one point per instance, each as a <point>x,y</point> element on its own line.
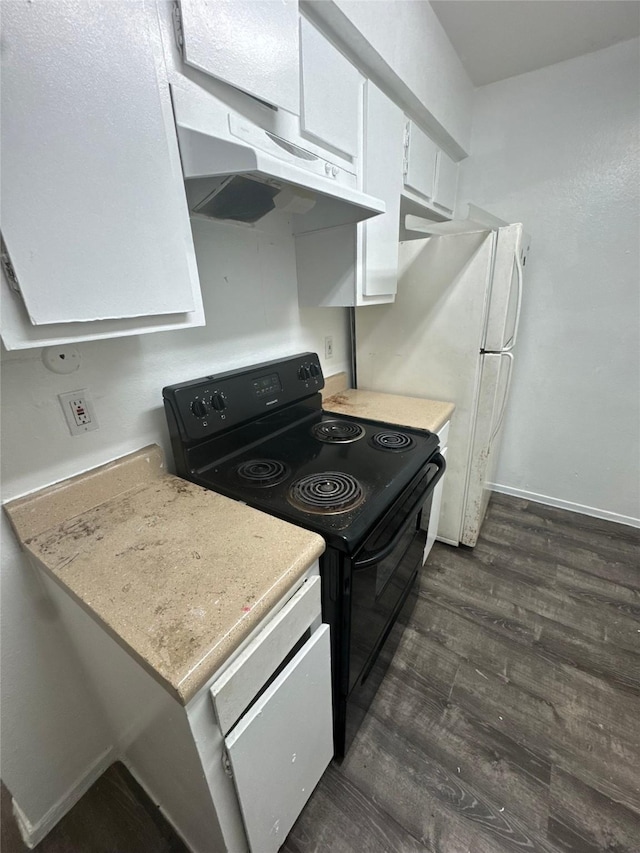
<point>177,574</point>
<point>393,408</point>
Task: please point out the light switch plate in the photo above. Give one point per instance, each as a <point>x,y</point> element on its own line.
<point>328,346</point>
<point>78,411</point>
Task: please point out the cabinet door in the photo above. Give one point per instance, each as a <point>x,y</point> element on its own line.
<point>447,183</point>
<point>94,215</point>
<point>421,163</point>
<point>233,691</point>
<point>331,93</point>
<point>383,151</point>
<point>251,44</point>
<point>281,747</point>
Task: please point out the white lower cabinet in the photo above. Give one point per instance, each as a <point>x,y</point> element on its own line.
<point>281,747</point>
<point>273,707</point>
<point>434,517</point>
<point>233,768</point>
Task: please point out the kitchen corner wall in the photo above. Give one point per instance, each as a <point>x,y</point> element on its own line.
<point>558,150</point>
<point>53,732</point>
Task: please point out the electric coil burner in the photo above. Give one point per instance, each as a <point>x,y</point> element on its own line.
<point>259,435</point>
<point>263,472</point>
<point>329,493</point>
<point>394,441</point>
<point>337,432</point>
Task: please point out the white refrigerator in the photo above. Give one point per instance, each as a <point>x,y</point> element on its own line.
<point>451,335</point>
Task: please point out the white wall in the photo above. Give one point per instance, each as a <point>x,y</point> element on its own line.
<point>558,150</point>
<point>52,728</point>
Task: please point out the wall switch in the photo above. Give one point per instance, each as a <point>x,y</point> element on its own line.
<point>78,411</point>
<point>328,346</point>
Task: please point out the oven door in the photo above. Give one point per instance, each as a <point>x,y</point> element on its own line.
<point>384,570</point>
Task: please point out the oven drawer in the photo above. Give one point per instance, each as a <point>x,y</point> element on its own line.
<point>283,744</point>
<point>245,677</point>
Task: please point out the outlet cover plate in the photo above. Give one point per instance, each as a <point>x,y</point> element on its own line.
<point>79,414</point>
<point>328,346</point>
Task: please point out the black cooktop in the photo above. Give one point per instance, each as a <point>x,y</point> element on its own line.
<point>335,475</point>
<point>259,435</point>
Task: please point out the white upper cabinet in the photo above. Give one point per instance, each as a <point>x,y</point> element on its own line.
<point>94,215</point>
<point>358,265</point>
<point>447,182</point>
<point>420,166</point>
<point>250,44</point>
<point>331,98</point>
<point>383,137</point>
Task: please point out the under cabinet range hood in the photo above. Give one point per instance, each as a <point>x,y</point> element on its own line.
<point>235,170</point>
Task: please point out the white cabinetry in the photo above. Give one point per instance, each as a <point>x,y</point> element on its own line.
<point>280,747</point>
<point>432,529</point>
<point>383,129</point>
<point>447,182</point>
<point>359,266</point>
<point>233,768</point>
<point>250,44</point>
<point>331,97</point>
<point>430,175</point>
<point>420,167</point>
<point>94,217</point>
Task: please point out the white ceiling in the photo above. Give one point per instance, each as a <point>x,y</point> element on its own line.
<point>496,39</point>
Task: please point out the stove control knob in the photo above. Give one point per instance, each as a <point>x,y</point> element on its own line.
<point>218,402</point>
<point>303,373</point>
<point>199,408</point>
<point>314,370</point>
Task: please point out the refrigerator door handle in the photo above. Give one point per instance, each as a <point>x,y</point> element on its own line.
<point>496,429</point>
<point>519,274</point>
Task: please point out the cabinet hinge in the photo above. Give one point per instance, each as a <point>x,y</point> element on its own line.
<point>405,155</point>
<point>178,32</point>
<point>10,273</point>
<point>227,764</point>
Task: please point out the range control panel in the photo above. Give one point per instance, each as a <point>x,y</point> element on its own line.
<point>209,405</point>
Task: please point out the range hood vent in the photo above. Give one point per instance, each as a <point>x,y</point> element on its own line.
<point>235,170</point>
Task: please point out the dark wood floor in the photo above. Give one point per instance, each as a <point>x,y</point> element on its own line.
<point>114,816</point>
<point>509,719</point>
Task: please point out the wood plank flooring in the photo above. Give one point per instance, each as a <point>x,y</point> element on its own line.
<point>509,719</point>
<point>114,816</point>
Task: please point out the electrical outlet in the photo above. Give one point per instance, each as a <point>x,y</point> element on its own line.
<point>328,346</point>
<point>78,411</point>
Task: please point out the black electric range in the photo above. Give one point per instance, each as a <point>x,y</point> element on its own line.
<point>259,435</point>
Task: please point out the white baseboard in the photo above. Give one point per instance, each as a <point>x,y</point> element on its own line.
<point>33,833</point>
<point>572,507</point>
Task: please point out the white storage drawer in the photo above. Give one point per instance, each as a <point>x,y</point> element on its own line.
<point>241,682</point>
<point>282,746</point>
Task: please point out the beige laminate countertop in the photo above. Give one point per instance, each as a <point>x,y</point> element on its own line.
<point>392,408</point>
<point>177,574</point>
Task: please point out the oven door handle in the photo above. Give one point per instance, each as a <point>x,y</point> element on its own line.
<point>383,552</point>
